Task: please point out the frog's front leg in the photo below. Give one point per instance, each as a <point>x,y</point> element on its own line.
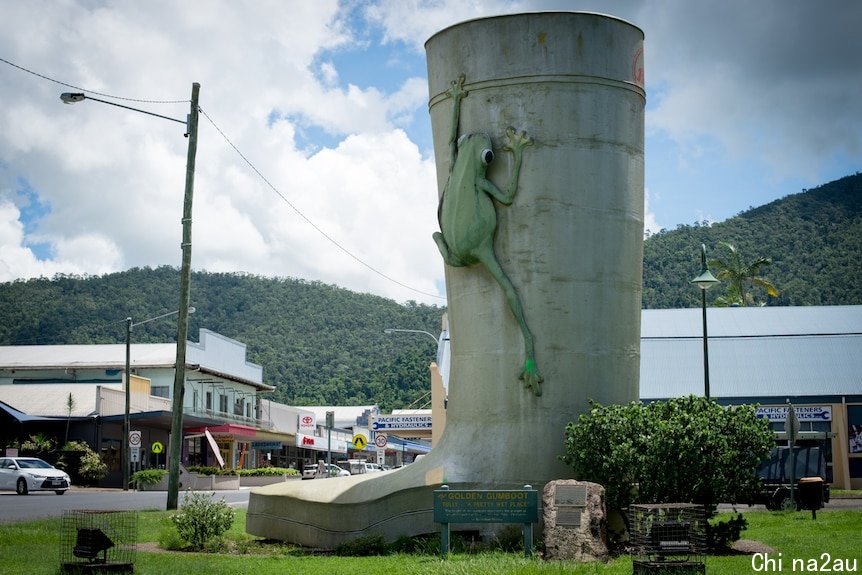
<point>516,142</point>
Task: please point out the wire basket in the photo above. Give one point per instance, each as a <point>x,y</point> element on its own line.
<point>668,538</point>
<point>93,541</point>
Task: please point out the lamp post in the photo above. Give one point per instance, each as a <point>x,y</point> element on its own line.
<point>191,133</point>
<point>704,281</point>
<point>125,458</point>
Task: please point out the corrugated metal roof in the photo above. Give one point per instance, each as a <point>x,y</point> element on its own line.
<point>50,399</point>
<point>214,352</point>
<point>753,352</point>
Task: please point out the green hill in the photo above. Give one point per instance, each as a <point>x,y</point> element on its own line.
<point>321,344</point>
<point>814,239</point>
<point>318,344</point>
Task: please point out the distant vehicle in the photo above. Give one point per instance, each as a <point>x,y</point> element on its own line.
<point>26,474</point>
<point>311,471</point>
<point>776,473</point>
<point>359,467</point>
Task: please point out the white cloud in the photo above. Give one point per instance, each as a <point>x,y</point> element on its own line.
<point>773,85</point>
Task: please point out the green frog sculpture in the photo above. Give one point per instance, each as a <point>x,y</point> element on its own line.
<point>468,217</point>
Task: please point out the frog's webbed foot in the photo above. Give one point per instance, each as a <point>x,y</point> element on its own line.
<point>531,377</point>
<point>517,141</point>
<point>456,89</point>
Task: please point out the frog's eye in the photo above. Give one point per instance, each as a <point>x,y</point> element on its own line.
<point>487,156</point>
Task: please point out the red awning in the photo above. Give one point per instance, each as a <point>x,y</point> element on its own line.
<point>232,429</point>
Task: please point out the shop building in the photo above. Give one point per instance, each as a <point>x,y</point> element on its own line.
<point>223,394</point>
<point>808,356</point>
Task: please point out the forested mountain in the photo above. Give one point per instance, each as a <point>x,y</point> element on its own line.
<point>320,344</point>
<point>813,238</point>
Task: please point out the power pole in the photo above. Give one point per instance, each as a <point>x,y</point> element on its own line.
<point>185,301</point>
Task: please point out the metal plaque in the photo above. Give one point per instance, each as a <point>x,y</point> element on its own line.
<point>569,516</point>
<point>573,495</point>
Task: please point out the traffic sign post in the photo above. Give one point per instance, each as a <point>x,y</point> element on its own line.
<point>157,447</point>
<point>380,440</point>
<point>134,439</point>
<point>359,442</point>
<point>791,427</point>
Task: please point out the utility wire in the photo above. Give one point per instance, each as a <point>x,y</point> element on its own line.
<point>311,223</point>
<point>245,159</point>
<point>38,75</point>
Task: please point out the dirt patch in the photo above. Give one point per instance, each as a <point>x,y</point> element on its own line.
<point>750,547</point>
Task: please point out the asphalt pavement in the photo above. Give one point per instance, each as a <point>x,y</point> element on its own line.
<point>45,504</point>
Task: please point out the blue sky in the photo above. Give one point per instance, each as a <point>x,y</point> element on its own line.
<point>746,103</point>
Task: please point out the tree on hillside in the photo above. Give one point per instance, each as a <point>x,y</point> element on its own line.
<point>739,276</point>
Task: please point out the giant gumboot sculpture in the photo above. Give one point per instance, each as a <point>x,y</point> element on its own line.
<point>540,117</point>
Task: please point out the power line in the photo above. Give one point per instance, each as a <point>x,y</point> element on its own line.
<point>246,160</point>
<point>78,88</point>
<point>311,223</point>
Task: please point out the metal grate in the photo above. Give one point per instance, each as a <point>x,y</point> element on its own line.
<point>667,538</point>
<point>93,541</point>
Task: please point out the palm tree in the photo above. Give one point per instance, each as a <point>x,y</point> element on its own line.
<point>70,406</point>
<point>739,275</point>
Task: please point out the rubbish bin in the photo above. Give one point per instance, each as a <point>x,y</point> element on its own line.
<point>810,495</point>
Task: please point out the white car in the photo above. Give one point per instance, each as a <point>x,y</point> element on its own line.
<point>311,471</point>
<point>26,474</point>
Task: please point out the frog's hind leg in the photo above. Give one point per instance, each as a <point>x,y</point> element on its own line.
<point>530,374</point>
<point>448,256</point>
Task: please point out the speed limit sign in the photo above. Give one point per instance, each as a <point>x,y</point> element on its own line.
<point>135,438</point>
<point>380,440</point>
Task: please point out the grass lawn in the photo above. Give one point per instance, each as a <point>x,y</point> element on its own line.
<point>32,548</point>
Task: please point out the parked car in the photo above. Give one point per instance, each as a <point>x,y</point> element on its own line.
<point>311,471</point>
<point>357,467</point>
<point>26,474</point>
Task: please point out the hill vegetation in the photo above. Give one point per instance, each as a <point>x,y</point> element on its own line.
<point>322,345</point>
<point>813,238</point>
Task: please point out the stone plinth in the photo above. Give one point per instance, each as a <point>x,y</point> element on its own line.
<point>575,521</point>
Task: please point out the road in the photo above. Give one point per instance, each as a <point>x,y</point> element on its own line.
<point>44,504</point>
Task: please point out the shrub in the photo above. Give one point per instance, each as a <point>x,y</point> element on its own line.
<point>92,467</point>
<point>267,472</point>
<point>201,519</point>
<point>147,477</point>
<point>688,449</point>
<point>38,443</point>
<point>367,546</point>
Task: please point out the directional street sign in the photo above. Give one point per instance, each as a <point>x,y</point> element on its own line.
<point>359,441</point>
<point>402,422</point>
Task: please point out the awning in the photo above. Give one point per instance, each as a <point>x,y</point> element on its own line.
<point>164,420</point>
<point>227,429</point>
<point>24,418</point>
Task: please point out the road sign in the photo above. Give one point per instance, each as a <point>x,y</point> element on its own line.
<point>359,441</point>
<point>380,440</point>
<point>135,453</point>
<point>402,422</point>
<point>791,425</point>
<point>157,447</point>
<point>135,438</point>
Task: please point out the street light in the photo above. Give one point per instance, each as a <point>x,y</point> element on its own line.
<point>191,133</point>
<point>704,281</point>
<point>428,333</point>
<point>125,458</point>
